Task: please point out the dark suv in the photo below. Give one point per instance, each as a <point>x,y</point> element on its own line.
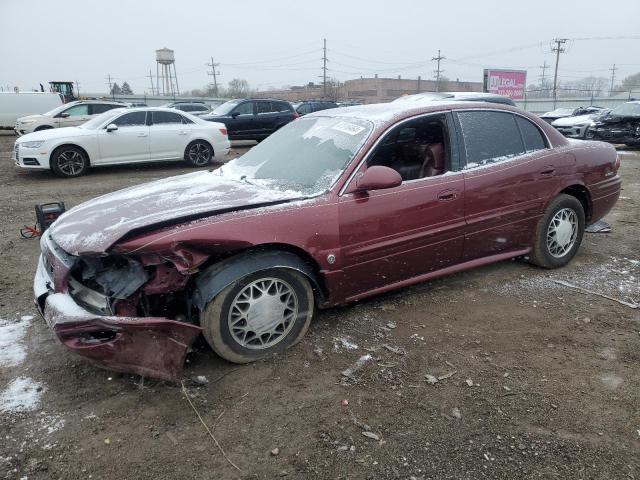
<point>248,119</point>
<point>310,106</point>
<point>194,108</point>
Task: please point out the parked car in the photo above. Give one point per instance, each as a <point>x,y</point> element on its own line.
<point>252,119</point>
<point>576,126</point>
<point>462,96</point>
<point>68,115</point>
<point>310,106</point>
<point>621,125</point>
<point>123,136</point>
<point>332,208</point>
<point>194,108</point>
<point>564,112</point>
<point>16,105</point>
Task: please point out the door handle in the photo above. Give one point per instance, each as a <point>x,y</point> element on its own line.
<point>447,195</point>
<point>142,134</point>
<point>182,132</point>
<point>548,172</point>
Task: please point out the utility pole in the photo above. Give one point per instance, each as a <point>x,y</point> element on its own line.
<point>214,73</point>
<point>438,71</point>
<point>558,49</point>
<point>419,80</point>
<point>613,77</point>
<point>544,67</point>
<point>109,83</point>
<point>151,80</point>
<point>77,89</point>
<point>324,69</point>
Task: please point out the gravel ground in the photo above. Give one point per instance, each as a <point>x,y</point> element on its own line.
<point>496,373</point>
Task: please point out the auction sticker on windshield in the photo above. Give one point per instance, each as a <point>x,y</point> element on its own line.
<point>348,128</point>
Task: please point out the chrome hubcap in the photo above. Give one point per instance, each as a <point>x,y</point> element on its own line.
<point>199,154</point>
<point>263,313</point>
<point>562,232</point>
<point>70,162</point>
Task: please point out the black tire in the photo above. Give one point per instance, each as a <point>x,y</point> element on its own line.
<point>198,153</point>
<point>69,161</point>
<point>43,127</point>
<point>218,315</point>
<point>555,245</point>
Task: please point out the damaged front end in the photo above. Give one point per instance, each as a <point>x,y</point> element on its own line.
<point>616,129</point>
<point>122,313</point>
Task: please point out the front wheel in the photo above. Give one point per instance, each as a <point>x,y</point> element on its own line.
<point>261,314</point>
<point>198,153</point>
<point>559,233</point>
<point>69,161</point>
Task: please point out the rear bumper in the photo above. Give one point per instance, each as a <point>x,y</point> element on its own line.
<point>149,346</point>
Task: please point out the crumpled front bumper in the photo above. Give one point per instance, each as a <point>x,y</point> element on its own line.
<point>149,346</point>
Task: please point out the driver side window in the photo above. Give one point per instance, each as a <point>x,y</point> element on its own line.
<point>78,110</point>
<point>416,149</point>
<point>244,109</point>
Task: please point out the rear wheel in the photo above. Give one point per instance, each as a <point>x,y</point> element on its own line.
<point>198,153</point>
<point>559,233</point>
<point>261,314</point>
<point>69,161</point>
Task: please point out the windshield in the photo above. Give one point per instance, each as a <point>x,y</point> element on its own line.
<point>306,156</point>
<point>225,108</point>
<point>97,121</point>
<point>627,109</point>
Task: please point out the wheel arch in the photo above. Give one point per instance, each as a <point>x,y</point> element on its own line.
<point>215,278</point>
<point>199,139</point>
<point>69,144</point>
<point>582,194</point>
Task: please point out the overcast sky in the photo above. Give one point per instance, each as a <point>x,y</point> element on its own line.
<point>274,43</point>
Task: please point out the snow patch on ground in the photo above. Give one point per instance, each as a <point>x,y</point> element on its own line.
<point>21,395</point>
<point>616,277</point>
<point>12,352</point>
<point>343,342</point>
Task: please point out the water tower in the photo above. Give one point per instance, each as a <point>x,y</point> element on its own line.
<point>166,79</point>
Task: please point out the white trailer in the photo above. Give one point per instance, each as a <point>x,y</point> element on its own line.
<point>20,104</point>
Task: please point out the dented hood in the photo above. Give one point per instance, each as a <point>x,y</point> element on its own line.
<point>94,226</point>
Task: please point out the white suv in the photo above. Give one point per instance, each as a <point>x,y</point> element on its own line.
<point>70,114</point>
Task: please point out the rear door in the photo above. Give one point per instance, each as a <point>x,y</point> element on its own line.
<point>510,173</point>
<point>168,135</point>
<point>266,117</point>
<point>129,143</point>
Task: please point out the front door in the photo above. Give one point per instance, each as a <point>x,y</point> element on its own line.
<point>418,227</point>
<point>73,116</point>
<point>129,143</point>
<point>242,121</point>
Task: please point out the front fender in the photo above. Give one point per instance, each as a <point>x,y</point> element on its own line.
<point>220,275</point>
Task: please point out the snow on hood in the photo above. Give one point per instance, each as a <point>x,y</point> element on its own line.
<point>54,133</point>
<point>94,226</point>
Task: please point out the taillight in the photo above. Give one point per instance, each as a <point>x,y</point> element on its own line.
<point>296,115</point>
<point>223,131</point>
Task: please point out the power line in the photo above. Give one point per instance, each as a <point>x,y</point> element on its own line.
<point>438,71</point>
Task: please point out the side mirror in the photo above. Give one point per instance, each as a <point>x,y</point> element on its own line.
<point>377,178</point>
<point>112,127</point>
<point>63,115</point>
<point>235,114</point>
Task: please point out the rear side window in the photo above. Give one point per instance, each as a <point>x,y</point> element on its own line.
<point>131,119</point>
<point>489,137</point>
<point>281,107</point>
<point>264,107</point>
<point>166,117</point>
<point>102,107</point>
<point>533,139</point>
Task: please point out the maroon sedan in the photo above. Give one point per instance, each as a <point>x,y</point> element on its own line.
<point>335,207</point>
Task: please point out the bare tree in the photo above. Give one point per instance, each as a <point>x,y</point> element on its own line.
<point>238,88</point>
